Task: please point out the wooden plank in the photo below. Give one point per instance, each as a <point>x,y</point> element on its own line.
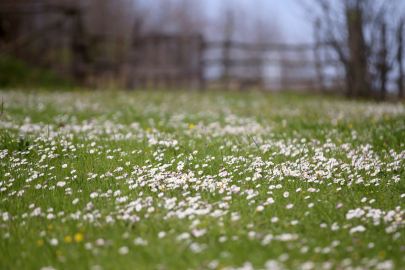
<point>275,62</point>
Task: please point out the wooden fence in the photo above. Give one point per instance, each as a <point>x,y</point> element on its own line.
<point>288,57</point>
<point>165,61</point>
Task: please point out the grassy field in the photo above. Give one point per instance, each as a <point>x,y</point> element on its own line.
<point>158,180</point>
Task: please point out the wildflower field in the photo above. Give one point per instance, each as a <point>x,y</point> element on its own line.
<point>159,180</point>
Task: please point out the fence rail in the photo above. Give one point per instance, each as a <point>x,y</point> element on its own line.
<point>276,62</point>
<point>262,46</point>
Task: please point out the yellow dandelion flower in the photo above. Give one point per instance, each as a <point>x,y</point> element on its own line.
<point>78,237</point>
<point>68,239</point>
<point>381,254</point>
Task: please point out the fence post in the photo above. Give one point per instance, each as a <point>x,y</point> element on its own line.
<point>317,55</point>
<point>227,46</point>
<point>400,58</point>
<point>226,63</point>
<point>201,65</point>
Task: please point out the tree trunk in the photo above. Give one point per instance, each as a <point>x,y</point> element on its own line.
<point>80,56</point>
<point>400,58</point>
<point>317,56</point>
<point>357,48</point>
<point>383,65</point>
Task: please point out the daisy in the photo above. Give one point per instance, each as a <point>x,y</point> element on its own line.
<point>53,242</point>
<point>123,250</point>
<point>259,208</point>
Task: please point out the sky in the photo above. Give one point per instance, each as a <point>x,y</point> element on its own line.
<point>286,13</point>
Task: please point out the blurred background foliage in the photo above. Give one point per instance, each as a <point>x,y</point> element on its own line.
<point>15,73</point>
<point>352,47</point>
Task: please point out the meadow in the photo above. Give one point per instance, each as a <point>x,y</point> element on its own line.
<point>180,180</point>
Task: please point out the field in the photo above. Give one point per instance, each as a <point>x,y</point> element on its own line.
<point>159,180</point>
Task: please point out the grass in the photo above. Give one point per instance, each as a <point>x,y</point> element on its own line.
<point>158,180</point>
